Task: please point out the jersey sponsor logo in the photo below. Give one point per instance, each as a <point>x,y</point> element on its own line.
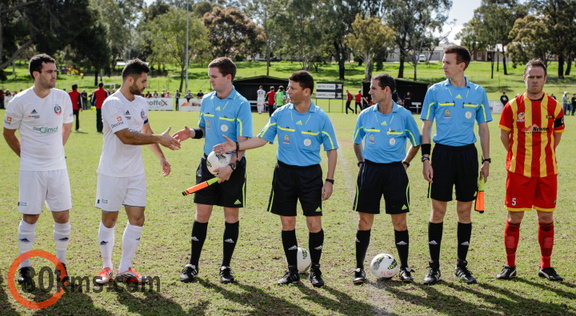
<point>8,120</point>
<point>521,117</point>
<point>535,129</point>
<point>34,114</point>
<point>286,140</point>
<point>22,203</point>
<point>224,128</point>
<point>57,109</point>
<point>307,142</point>
<point>447,114</point>
<point>45,130</point>
<point>468,115</point>
<point>128,115</point>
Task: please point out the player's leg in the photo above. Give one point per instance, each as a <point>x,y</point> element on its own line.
<point>545,204</point>
<point>230,238</point>
<point>130,244</point>
<point>365,222</point>
<point>402,241</point>
<point>59,202</point>
<point>199,232</point>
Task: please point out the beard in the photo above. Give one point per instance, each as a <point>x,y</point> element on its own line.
<point>135,90</point>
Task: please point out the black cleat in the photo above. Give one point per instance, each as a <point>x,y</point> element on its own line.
<point>291,277</point>
<point>405,274</point>
<point>433,276</point>
<point>463,273</point>
<point>63,280</point>
<point>359,276</point>
<point>24,277</point>
<point>226,275</point>
<point>507,273</point>
<point>189,273</point>
<point>550,274</point>
<point>316,276</point>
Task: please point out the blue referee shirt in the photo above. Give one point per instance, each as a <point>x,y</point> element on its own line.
<point>231,116</point>
<point>300,134</point>
<point>455,110</point>
<point>385,135</point>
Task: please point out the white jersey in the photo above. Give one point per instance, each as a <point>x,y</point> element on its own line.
<point>261,96</point>
<point>39,121</point>
<point>118,113</point>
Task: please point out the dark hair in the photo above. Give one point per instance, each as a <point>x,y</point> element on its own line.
<point>100,85</point>
<point>536,63</point>
<point>303,78</point>
<point>225,65</point>
<point>462,54</point>
<point>74,86</point>
<point>385,80</point>
<point>36,63</point>
<point>134,68</point>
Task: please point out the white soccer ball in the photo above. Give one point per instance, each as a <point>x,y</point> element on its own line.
<point>384,266</point>
<point>215,161</point>
<point>304,261</point>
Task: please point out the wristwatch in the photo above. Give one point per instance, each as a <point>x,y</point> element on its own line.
<point>424,158</point>
<point>233,166</point>
<point>487,159</point>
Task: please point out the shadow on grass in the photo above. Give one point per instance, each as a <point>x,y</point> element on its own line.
<point>5,306</point>
<point>155,304</point>
<point>494,300</point>
<point>73,303</point>
<point>342,304</point>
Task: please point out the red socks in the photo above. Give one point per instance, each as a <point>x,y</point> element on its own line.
<point>546,241</point>
<point>511,237</point>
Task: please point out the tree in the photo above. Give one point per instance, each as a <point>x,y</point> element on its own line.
<point>168,38</point>
<point>370,37</point>
<point>530,39</point>
<point>415,23</point>
<point>232,33</point>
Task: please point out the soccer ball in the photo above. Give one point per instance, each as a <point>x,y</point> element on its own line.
<point>384,266</point>
<point>215,161</point>
<point>304,262</point>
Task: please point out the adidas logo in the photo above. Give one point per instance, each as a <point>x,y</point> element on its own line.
<point>465,244</point>
<point>34,112</point>
<point>218,109</point>
<point>194,238</point>
<point>402,243</point>
<point>64,239</point>
<point>458,97</point>
<point>24,240</point>
<point>318,248</point>
<point>293,248</point>
<point>404,207</point>
<point>103,242</point>
<point>229,240</point>
<point>237,202</point>
<point>299,123</point>
<point>318,210</point>
<point>138,239</point>
<point>433,243</point>
<point>127,112</point>
<point>357,240</point>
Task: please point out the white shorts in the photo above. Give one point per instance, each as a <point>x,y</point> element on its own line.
<point>113,192</point>
<point>39,187</point>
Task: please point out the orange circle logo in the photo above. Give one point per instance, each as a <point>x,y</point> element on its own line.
<point>12,285</point>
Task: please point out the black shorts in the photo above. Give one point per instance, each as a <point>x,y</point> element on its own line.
<point>229,193</point>
<point>454,167</point>
<point>293,183</point>
<point>382,179</point>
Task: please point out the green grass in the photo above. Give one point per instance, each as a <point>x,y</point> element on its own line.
<point>478,72</point>
<point>259,260</point>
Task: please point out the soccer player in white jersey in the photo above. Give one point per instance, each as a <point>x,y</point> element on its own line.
<point>121,178</point>
<point>43,116</point>
<point>261,98</point>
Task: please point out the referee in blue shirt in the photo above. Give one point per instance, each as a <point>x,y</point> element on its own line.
<point>380,145</point>
<point>302,128</point>
<point>455,104</point>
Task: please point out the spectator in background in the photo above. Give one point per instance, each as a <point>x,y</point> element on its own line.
<point>155,94</point>
<point>76,104</point>
<point>408,100</point>
<point>271,100</point>
<point>188,96</point>
<point>280,97</point>
<point>98,97</point>
<point>1,99</point>
<point>349,98</point>
<point>573,104</point>
<point>260,99</point>
<point>358,100</point>
<point>504,98</point>
<point>177,97</point>
<point>566,102</point>
<point>200,95</point>
<point>84,98</point>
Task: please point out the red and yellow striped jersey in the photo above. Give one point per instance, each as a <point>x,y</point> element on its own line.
<point>532,125</point>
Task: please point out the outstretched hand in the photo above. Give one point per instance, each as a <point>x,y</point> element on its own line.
<point>168,141</point>
<point>182,134</point>
<point>225,147</point>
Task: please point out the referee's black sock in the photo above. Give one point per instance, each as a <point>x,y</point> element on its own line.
<point>402,240</point>
<point>198,237</point>
<point>231,231</point>
<point>290,245</point>
<point>464,233</point>
<point>315,242</point>
<point>362,243</point>
<point>434,242</point>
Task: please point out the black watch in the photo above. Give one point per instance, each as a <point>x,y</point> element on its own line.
<point>233,166</point>
<point>424,158</point>
<point>360,163</point>
<point>406,163</point>
<point>330,180</point>
<point>487,159</point>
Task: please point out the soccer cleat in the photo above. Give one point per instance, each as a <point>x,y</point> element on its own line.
<point>104,276</point>
<point>24,277</point>
<point>507,273</point>
<point>405,274</point>
<point>359,276</point>
<point>316,276</point>
<point>291,277</point>
<point>65,279</point>
<point>131,276</point>
<point>226,275</point>
<point>550,274</point>
<point>433,276</point>
<point>463,273</point>
<point>189,273</point>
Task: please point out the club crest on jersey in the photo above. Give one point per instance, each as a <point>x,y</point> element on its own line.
<point>468,115</point>
<point>143,115</point>
<point>520,117</point>
<point>224,128</point>
<point>447,114</point>
<point>286,140</point>
<point>208,125</point>
<point>392,141</point>
<point>57,109</point>
<point>307,142</point>
<point>371,139</point>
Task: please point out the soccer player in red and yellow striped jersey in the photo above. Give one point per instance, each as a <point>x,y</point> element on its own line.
<point>531,128</point>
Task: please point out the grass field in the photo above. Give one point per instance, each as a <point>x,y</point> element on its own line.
<point>259,260</point>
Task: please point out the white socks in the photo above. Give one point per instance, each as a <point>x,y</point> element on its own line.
<point>61,238</point>
<point>106,241</point>
<point>26,235</point>
<point>130,243</point>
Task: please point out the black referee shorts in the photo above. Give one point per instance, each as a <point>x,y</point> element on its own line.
<point>229,193</point>
<point>293,183</point>
<point>382,179</point>
<point>454,167</point>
